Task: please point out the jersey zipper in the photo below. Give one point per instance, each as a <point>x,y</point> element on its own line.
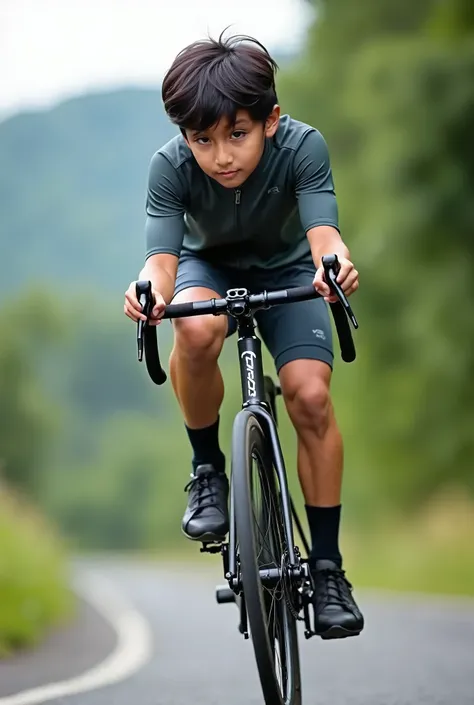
<point>238,195</point>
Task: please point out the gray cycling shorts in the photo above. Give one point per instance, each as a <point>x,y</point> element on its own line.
<point>295,331</point>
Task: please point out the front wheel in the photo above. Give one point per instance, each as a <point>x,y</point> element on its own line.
<point>262,553</point>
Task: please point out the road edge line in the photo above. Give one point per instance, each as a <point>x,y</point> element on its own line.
<point>133,649</point>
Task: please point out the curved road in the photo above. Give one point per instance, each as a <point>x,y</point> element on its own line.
<point>414,650</point>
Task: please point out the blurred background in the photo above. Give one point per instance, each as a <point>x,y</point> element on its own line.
<point>93,457</point>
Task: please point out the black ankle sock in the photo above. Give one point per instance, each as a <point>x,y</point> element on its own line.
<point>205,444</point>
<point>324,528</point>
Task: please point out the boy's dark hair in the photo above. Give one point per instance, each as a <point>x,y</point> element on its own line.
<point>211,79</point>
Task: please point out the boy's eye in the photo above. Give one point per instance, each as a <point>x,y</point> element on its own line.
<point>202,140</point>
<point>238,134</point>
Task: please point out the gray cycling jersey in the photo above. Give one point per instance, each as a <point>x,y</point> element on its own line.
<point>263,223</point>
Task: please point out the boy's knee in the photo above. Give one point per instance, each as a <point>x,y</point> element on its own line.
<point>307,396</point>
<point>200,338</point>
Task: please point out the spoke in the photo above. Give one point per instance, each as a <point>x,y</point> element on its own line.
<point>283,667</point>
<point>279,668</point>
<point>270,547</point>
<point>264,533</point>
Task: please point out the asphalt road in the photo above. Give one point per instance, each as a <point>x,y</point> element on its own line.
<point>414,650</point>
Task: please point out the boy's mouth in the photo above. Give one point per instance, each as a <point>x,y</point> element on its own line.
<point>228,174</point>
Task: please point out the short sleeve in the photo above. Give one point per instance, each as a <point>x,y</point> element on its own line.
<point>314,183</point>
<point>164,226</point>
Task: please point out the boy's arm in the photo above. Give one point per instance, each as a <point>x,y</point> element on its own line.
<point>164,226</point>
<point>319,213</point>
<point>164,230</point>
<point>324,240</point>
<point>161,270</point>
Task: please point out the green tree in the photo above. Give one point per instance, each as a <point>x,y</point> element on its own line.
<point>391,85</point>
<point>29,325</point>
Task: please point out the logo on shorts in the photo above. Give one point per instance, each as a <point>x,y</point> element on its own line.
<point>319,334</point>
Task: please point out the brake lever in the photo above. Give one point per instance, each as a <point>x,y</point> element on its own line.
<point>145,299</point>
<point>332,267</point>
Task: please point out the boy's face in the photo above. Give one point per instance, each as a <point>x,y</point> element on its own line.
<point>229,153</point>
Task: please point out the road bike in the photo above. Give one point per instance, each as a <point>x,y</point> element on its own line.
<point>268,578</point>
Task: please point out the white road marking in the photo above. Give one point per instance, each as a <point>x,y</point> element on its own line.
<point>134,646</point>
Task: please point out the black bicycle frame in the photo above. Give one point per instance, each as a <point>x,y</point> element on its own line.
<point>251,365</point>
<point>254,397</point>
<point>258,396</point>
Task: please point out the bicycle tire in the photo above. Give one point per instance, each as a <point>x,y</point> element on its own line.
<point>260,536</point>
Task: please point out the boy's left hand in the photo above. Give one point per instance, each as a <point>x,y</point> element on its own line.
<point>348,279</point>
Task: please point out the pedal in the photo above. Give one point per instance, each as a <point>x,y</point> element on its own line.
<point>224,595</point>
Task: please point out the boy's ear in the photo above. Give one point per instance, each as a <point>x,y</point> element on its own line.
<point>272,121</point>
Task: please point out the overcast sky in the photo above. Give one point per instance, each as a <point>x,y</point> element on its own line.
<point>51,49</point>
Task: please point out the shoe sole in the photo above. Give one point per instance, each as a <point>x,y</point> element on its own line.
<point>337,632</point>
<point>205,538</point>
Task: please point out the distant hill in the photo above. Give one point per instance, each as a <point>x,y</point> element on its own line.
<point>72,190</point>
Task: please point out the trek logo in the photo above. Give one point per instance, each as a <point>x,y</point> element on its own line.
<point>249,358</point>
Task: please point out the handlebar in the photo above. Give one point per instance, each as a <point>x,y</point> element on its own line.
<point>239,303</point>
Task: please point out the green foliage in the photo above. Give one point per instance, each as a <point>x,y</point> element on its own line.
<point>451,20</point>
<point>418,308</point>
<point>27,417</point>
<point>429,552</point>
<point>126,497</point>
<point>33,578</point>
<point>394,96</point>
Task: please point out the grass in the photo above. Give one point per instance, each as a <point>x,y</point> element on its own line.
<point>432,552</point>
<point>33,583</point>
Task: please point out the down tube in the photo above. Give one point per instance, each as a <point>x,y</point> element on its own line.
<point>251,370</point>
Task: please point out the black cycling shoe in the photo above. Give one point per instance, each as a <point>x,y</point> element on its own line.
<point>207,516</point>
<point>336,613</point>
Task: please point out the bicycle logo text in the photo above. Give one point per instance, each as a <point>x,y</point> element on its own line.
<point>249,363</point>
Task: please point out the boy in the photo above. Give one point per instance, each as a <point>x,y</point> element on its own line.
<point>245,197</point>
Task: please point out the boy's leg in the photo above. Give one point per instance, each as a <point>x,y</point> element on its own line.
<point>305,388</point>
<point>199,389</point>
<point>194,369</point>
<point>299,338</point>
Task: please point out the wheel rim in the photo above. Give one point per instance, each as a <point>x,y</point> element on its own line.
<point>270,545</point>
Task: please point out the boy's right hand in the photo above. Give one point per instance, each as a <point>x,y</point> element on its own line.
<point>133,310</point>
